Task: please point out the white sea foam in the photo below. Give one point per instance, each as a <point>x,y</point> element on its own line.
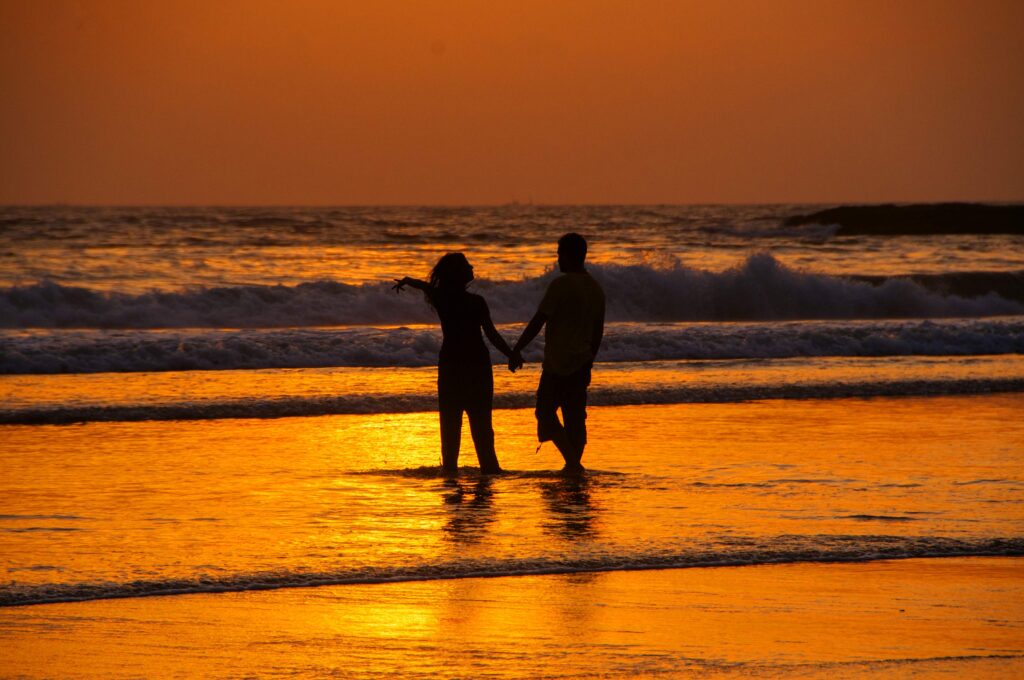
<point>93,351</point>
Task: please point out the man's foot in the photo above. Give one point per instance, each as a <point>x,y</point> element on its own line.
<point>491,471</point>
<point>573,469</point>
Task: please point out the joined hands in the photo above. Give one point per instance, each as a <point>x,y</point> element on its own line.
<point>515,361</point>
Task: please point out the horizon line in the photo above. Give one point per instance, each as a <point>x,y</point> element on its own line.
<point>509,204</point>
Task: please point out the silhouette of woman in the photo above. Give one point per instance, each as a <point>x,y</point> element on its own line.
<point>464,380</point>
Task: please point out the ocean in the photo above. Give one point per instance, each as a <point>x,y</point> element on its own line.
<point>199,400</point>
<point>106,313</point>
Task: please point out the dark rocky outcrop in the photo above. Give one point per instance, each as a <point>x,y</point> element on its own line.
<point>919,219</point>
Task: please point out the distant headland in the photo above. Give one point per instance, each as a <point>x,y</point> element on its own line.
<point>919,219</point>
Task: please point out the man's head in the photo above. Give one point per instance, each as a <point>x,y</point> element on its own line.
<point>572,251</point>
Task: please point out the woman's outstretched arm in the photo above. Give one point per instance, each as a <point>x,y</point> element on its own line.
<point>409,281</point>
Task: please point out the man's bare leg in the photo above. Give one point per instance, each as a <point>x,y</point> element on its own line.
<point>570,454</point>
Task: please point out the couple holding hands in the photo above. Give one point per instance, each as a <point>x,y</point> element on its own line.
<point>572,311</point>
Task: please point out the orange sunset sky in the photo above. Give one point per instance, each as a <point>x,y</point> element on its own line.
<point>372,101</point>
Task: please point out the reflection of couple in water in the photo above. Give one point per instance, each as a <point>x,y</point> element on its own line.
<point>471,509</point>
<point>572,310</point>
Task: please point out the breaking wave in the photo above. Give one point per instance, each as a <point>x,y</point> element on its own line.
<point>760,289</point>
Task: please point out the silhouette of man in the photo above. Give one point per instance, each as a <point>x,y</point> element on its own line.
<point>573,309</point>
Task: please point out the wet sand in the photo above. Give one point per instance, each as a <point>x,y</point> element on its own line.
<point>957,617</point>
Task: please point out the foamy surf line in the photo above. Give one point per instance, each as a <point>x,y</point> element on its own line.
<point>366,404</point>
<point>97,351</point>
<point>794,549</point>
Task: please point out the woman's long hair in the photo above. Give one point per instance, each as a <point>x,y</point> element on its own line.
<point>451,274</point>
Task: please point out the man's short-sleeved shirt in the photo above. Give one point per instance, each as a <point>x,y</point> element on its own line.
<point>573,304</point>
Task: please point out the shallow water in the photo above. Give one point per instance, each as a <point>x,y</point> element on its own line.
<point>125,509</point>
<point>190,395</point>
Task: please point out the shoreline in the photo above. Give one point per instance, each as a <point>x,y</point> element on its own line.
<point>207,585</point>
